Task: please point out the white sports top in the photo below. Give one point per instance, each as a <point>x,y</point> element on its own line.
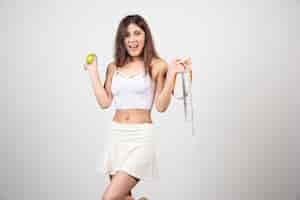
<point>133,91</point>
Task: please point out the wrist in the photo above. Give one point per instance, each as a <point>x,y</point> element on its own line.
<point>171,75</point>
<point>171,81</point>
<point>93,72</point>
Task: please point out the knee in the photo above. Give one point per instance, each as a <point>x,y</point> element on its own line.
<point>111,196</point>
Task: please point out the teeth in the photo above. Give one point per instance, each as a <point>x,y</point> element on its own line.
<point>133,46</point>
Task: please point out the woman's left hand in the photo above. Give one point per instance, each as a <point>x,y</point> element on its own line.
<point>187,62</point>
<point>180,65</point>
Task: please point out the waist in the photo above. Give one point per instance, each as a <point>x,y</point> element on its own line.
<point>134,133</point>
<point>132,116</point>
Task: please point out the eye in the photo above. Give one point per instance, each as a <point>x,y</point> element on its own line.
<point>126,35</point>
<point>137,32</point>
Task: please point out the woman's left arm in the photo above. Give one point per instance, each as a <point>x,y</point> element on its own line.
<point>164,85</point>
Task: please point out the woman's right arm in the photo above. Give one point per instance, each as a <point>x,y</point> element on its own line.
<point>102,91</point>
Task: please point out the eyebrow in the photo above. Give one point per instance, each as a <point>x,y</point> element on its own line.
<point>127,32</point>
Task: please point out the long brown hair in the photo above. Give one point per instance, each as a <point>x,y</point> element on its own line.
<point>121,55</point>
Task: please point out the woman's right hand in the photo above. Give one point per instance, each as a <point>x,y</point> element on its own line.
<point>91,67</point>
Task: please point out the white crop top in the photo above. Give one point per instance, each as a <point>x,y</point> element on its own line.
<point>132,92</point>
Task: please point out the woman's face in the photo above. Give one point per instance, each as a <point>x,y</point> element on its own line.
<point>134,40</point>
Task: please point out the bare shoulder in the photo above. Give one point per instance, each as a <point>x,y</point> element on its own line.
<point>111,67</point>
<point>109,74</point>
<point>159,65</point>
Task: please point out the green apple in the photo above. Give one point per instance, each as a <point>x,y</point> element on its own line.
<point>90,58</point>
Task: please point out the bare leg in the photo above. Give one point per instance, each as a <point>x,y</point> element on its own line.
<point>120,187</point>
<point>129,196</point>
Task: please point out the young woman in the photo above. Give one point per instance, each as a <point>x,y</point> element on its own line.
<point>136,80</point>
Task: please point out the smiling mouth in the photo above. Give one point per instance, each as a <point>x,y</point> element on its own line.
<point>133,46</point>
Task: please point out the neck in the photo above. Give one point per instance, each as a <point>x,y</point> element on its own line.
<point>135,58</point>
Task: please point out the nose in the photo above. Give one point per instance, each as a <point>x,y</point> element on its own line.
<point>132,38</point>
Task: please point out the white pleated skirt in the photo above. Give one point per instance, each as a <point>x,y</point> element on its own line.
<point>132,148</point>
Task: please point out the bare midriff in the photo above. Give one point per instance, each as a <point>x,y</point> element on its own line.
<point>132,116</point>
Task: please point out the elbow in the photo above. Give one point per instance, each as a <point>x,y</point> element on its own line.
<point>160,108</point>
<point>104,105</point>
<point>162,105</point>
<point>104,101</point>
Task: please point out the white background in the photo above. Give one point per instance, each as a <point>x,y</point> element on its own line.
<point>246,97</point>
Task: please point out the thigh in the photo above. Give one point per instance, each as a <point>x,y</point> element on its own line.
<point>121,185</point>
<point>112,176</point>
